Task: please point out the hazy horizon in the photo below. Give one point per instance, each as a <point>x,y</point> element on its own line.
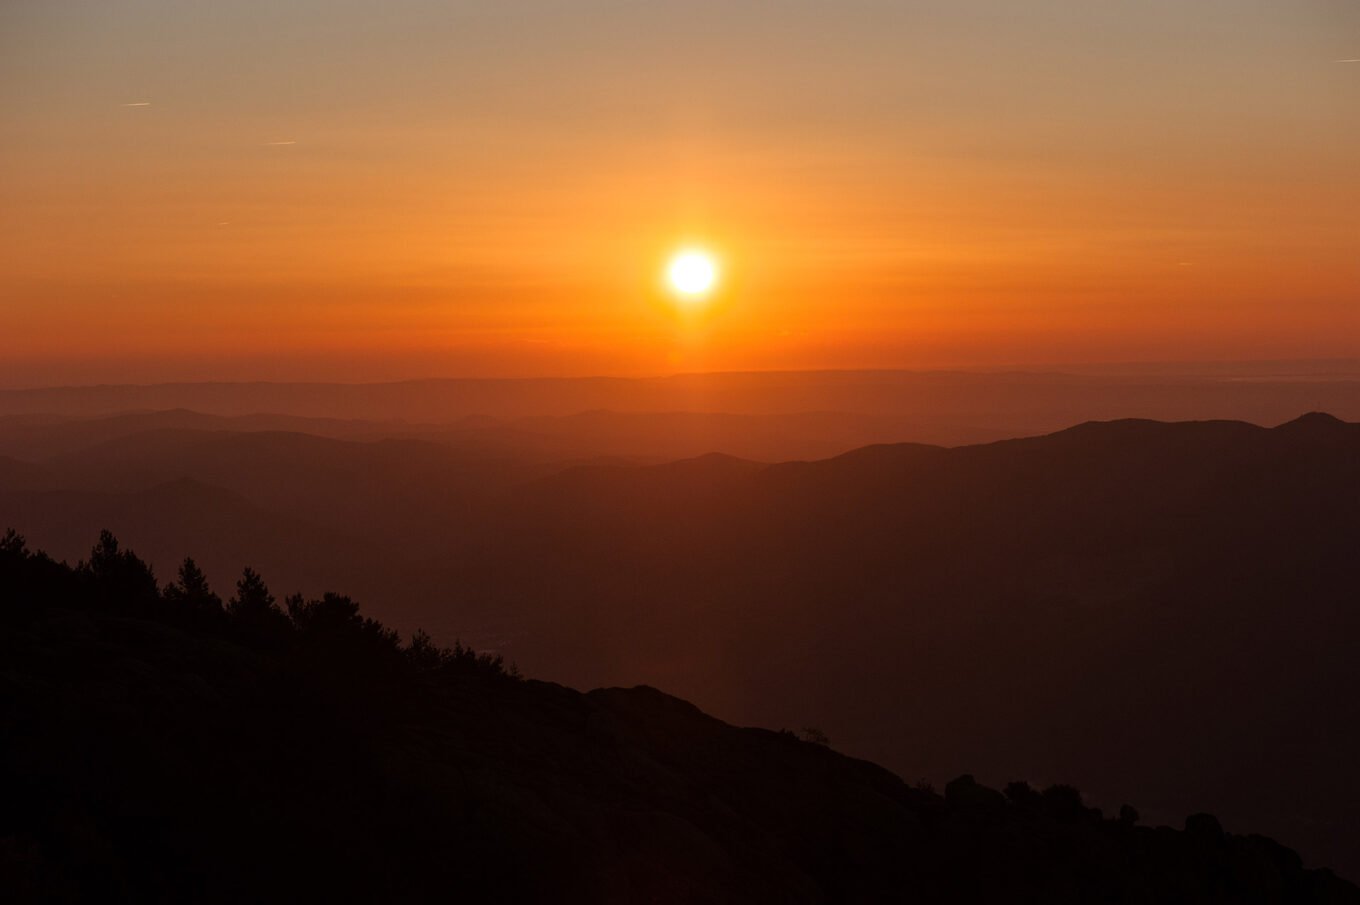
<point>1333,368</point>
<point>315,190</point>
<point>602,451</point>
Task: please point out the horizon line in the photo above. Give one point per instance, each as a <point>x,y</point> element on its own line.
<point>1077,369</point>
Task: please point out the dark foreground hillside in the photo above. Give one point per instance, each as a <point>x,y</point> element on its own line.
<point>159,746</point>
<point>1163,613</point>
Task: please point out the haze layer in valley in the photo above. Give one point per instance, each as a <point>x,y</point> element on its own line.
<point>1154,611</point>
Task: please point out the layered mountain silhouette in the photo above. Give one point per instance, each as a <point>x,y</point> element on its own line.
<point>161,746</point>
<point>764,415</point>
<point>1074,605</point>
<point>1156,612</point>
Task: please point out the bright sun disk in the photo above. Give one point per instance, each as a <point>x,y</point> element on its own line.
<point>692,274</point>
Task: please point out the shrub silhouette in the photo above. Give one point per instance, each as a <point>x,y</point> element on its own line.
<point>261,756</point>
<point>119,578</point>
<point>426,656</point>
<point>13,549</point>
<point>1064,803</point>
<point>1023,795</point>
<point>254,612</point>
<point>814,736</point>
<point>335,617</point>
<point>965,791</point>
<point>192,594</point>
<point>423,653</point>
<point>115,580</point>
<point>29,577</point>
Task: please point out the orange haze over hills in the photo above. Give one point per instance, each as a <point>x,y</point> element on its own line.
<point>333,191</point>
<point>963,385</point>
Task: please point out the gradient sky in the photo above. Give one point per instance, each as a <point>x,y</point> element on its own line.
<point>344,190</point>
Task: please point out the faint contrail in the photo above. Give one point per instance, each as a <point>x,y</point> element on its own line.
<point>138,104</point>
<point>1349,61</point>
<point>274,144</point>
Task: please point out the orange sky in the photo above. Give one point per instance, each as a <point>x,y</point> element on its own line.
<point>345,190</point>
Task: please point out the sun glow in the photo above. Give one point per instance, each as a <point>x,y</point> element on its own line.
<point>692,274</point>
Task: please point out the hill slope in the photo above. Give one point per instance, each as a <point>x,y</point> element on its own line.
<point>1069,607</point>
<point>160,749</point>
<point>1065,606</point>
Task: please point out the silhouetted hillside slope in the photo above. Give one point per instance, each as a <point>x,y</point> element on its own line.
<point>183,515</point>
<point>1073,605</point>
<point>159,747</point>
<point>1165,612</point>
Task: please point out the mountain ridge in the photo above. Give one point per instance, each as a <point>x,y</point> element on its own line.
<point>412,770</point>
<point>1081,601</point>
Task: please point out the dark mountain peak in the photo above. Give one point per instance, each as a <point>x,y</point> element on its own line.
<point>875,459</point>
<point>711,464</point>
<point>1119,430</point>
<point>1314,421</point>
<point>1126,433</point>
<point>1124,424</point>
<point>1133,427</point>
<point>648,698</point>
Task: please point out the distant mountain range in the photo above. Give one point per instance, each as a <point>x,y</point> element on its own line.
<point>771,415</point>
<point>1157,612</point>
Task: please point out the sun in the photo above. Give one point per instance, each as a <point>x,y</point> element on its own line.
<point>692,274</point>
